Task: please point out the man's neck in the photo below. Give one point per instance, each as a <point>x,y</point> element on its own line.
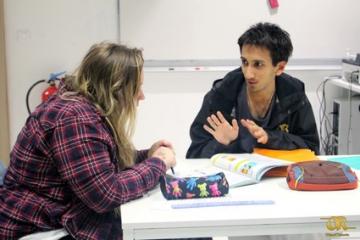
<point>259,102</point>
<point>262,96</point>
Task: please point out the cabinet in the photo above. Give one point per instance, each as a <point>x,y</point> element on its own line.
<point>346,119</point>
<point>340,82</point>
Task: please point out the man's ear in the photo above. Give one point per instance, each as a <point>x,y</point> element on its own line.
<point>280,67</point>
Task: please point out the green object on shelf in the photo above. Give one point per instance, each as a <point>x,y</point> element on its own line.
<point>351,161</point>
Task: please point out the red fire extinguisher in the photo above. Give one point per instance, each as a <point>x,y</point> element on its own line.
<point>49,91</point>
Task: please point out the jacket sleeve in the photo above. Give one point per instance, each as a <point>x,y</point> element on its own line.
<point>203,144</point>
<point>221,97</point>
<point>82,151</point>
<point>302,131</point>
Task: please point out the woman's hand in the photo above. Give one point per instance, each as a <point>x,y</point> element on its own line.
<point>166,154</point>
<point>160,143</point>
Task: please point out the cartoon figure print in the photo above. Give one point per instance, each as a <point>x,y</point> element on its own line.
<point>176,189</point>
<point>247,167</point>
<point>191,183</point>
<point>202,188</point>
<point>214,190</point>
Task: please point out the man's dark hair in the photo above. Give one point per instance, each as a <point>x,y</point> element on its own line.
<point>271,37</point>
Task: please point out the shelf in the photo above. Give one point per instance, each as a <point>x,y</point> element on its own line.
<point>344,84</point>
<point>226,65</point>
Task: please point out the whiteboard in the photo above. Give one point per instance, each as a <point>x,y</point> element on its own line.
<point>209,29</point>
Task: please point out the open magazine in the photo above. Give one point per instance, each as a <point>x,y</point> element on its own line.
<point>246,168</point>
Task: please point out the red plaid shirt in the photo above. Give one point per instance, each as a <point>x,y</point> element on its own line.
<point>63,173</point>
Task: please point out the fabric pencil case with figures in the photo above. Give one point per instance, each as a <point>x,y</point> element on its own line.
<point>214,185</point>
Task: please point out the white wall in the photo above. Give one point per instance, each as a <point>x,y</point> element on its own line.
<point>43,37</point>
<point>208,29</point>
<point>49,36</point>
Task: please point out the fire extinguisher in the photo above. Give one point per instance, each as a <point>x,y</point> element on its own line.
<point>49,91</point>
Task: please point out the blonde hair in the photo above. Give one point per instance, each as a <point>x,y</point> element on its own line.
<point>110,77</point>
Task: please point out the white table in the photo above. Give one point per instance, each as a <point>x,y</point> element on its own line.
<point>294,212</point>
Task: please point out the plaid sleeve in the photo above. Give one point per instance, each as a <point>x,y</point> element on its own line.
<point>142,155</point>
<point>82,152</point>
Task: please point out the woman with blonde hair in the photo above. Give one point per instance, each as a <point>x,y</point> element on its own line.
<point>73,163</point>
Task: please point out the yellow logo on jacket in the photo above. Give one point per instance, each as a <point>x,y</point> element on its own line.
<point>284,127</point>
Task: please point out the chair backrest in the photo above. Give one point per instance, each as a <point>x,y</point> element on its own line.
<point>2,172</point>
<point>49,235</point>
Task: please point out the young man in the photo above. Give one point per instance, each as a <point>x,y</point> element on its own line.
<point>257,105</point>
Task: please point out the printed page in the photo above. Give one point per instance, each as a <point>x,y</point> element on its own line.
<point>253,165</point>
<point>237,180</point>
<point>234,179</point>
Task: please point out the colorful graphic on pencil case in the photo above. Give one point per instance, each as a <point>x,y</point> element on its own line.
<point>194,187</point>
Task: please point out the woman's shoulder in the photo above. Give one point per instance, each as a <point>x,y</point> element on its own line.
<point>58,109</point>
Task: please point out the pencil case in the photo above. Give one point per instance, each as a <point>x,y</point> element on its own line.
<point>214,185</point>
<point>321,176</point>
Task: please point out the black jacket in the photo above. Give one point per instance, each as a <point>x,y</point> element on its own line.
<point>292,124</point>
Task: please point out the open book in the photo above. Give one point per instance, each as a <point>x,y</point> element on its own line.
<point>246,168</point>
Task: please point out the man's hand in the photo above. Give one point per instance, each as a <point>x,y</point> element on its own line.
<point>255,130</point>
<point>221,129</point>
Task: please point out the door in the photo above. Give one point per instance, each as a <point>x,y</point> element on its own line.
<point>4,122</point>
